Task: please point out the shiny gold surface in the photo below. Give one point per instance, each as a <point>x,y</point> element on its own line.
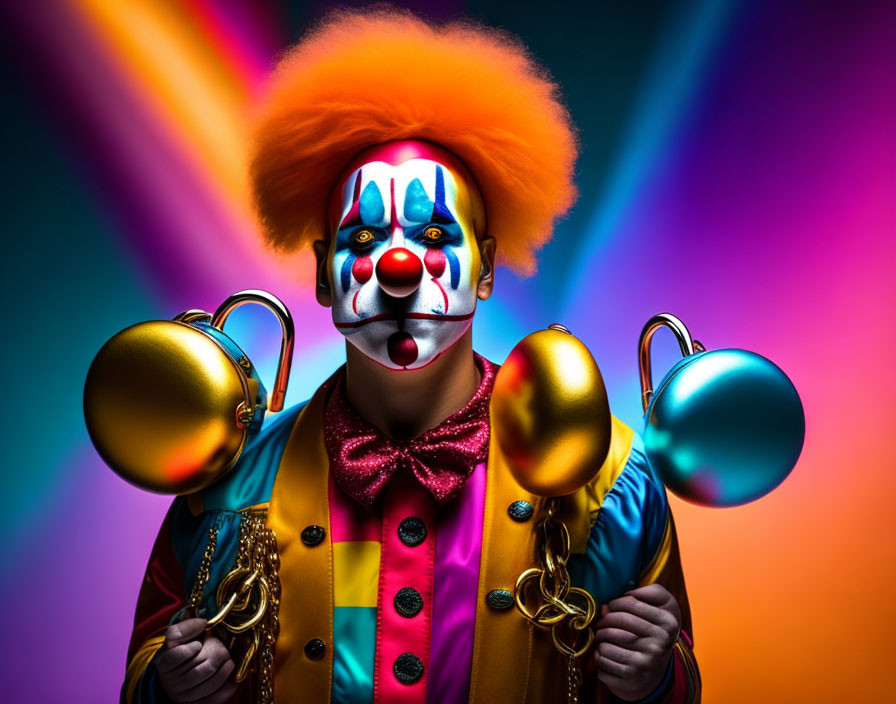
<point>550,413</point>
<point>161,403</point>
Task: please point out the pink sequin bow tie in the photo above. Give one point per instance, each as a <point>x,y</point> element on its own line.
<point>363,460</point>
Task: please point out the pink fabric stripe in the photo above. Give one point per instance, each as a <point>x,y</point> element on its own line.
<point>456,586</point>
<point>679,692</point>
<point>402,566</point>
<point>349,520</point>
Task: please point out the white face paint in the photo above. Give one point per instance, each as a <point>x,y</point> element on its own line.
<point>385,210</point>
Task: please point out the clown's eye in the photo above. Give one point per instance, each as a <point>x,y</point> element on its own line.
<point>362,238</point>
<point>433,235</point>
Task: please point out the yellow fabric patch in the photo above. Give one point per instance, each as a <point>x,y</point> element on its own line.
<point>652,572</point>
<point>356,572</point>
<point>580,509</point>
<point>141,659</point>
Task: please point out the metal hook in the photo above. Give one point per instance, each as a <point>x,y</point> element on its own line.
<point>685,342</point>
<point>275,305</point>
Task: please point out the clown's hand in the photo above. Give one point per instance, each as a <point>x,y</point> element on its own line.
<point>195,670</point>
<point>634,639</point>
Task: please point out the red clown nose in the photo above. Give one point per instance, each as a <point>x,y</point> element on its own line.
<point>399,272</point>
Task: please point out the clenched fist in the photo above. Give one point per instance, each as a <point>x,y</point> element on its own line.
<point>195,670</point>
<point>635,636</point>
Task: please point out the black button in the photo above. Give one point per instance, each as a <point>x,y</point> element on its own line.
<point>499,599</point>
<point>313,535</point>
<point>315,649</point>
<point>412,531</point>
<point>520,511</point>
<point>408,668</point>
<point>408,602</point>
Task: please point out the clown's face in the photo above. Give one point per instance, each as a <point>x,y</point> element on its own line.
<point>404,264</point>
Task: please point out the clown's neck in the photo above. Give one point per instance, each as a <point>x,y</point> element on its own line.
<point>403,404</point>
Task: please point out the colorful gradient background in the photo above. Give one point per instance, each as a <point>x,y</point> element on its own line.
<point>738,169</point>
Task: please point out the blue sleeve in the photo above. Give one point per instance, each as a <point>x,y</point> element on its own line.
<point>216,508</point>
<point>251,480</point>
<point>627,532</point>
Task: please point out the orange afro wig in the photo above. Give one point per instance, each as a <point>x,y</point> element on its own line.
<point>367,77</point>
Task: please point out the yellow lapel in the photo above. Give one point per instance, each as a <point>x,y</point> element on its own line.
<point>503,640</point>
<point>300,499</point>
<point>512,660</point>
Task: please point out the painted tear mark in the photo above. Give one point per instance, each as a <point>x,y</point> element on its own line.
<point>346,272</point>
<point>444,295</point>
<point>453,265</point>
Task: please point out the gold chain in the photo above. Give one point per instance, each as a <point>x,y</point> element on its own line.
<point>202,574</point>
<point>566,610</point>
<point>574,678</point>
<point>248,599</point>
<point>271,628</point>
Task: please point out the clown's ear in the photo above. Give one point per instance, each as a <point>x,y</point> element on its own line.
<point>322,289</point>
<point>487,268</point>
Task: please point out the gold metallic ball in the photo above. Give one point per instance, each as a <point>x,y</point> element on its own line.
<point>550,413</point>
<point>161,402</point>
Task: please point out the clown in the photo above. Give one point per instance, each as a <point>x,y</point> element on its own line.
<point>386,529</point>
<point>404,262</point>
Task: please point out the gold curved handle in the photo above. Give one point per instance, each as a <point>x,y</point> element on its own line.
<point>687,344</point>
<point>276,306</point>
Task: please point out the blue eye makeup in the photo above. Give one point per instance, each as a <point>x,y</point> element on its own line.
<point>434,234</point>
<point>359,239</point>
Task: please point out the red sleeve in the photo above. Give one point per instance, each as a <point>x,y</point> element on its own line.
<point>686,686</point>
<point>162,591</point>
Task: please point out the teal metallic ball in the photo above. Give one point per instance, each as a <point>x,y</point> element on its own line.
<point>724,428</point>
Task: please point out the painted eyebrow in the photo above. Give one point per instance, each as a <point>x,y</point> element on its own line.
<point>367,206</point>
<point>418,207</point>
<point>440,212</point>
<point>353,216</point>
